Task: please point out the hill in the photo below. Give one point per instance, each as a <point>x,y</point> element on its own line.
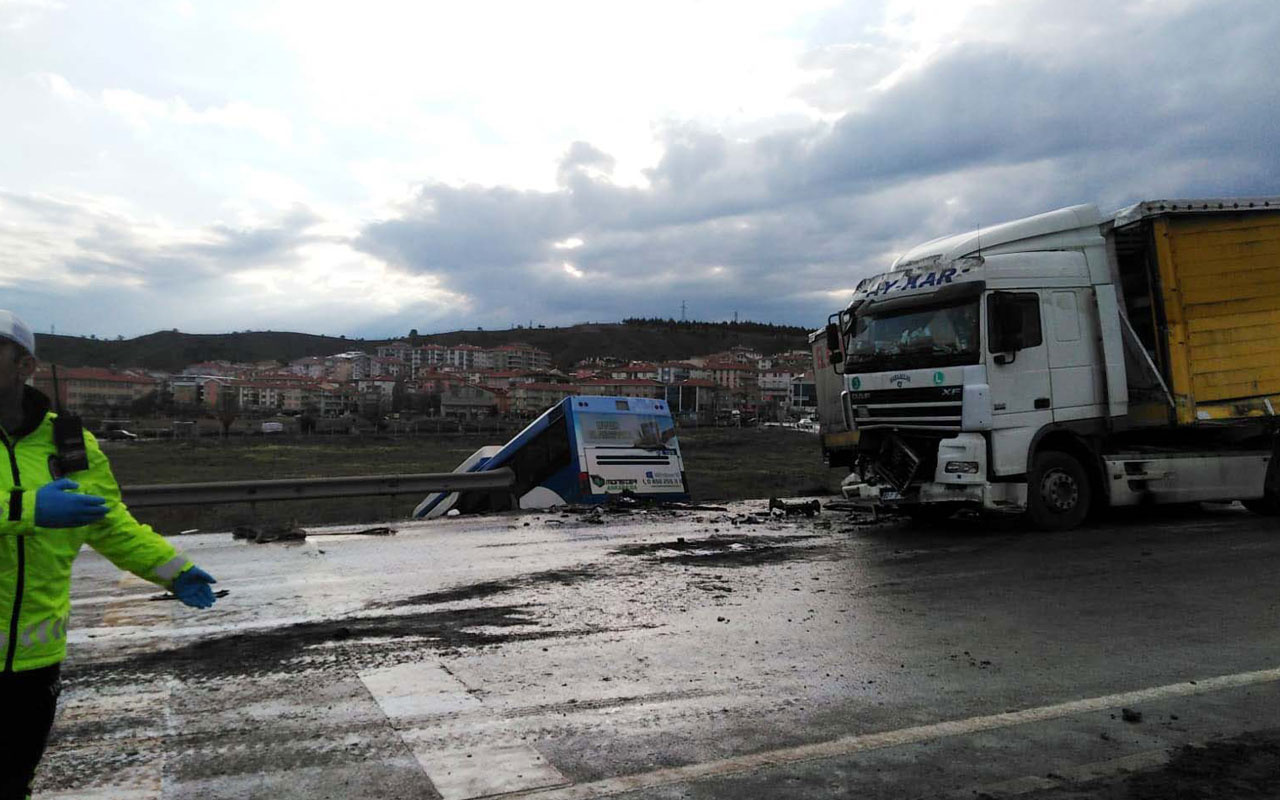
<point>632,340</point>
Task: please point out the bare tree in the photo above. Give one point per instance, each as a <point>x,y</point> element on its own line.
<point>228,408</point>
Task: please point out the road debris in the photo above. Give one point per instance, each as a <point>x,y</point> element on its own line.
<point>172,596</point>
<point>725,550</point>
<point>381,530</point>
<point>809,508</point>
<point>287,532</point>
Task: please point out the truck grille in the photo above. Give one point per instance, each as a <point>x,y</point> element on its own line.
<point>936,408</point>
<point>896,463</point>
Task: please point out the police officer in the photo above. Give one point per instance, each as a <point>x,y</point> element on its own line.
<point>45,516</point>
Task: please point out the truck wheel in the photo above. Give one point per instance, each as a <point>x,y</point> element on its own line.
<point>1269,504</point>
<point>1058,492</point>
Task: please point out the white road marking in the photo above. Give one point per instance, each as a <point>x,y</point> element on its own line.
<point>464,774</point>
<point>409,692</point>
<point>417,690</point>
<point>848,745</point>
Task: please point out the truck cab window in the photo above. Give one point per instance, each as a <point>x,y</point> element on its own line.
<point>1013,321</point>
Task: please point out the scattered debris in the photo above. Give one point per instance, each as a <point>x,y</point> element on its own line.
<point>484,589</point>
<point>807,507</point>
<point>843,505</point>
<point>171,596</point>
<point>382,530</point>
<point>287,532</point>
<point>627,503</point>
<point>373,640</point>
<point>692,507</point>
<point>725,551</point>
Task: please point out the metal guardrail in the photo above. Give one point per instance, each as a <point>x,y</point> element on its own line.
<point>182,494</point>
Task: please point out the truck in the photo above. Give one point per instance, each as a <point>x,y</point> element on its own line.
<point>1069,362</point>
<point>835,435</point>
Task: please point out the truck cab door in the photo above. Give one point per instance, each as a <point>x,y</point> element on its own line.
<point>1017,360</point>
<point>1075,358</point>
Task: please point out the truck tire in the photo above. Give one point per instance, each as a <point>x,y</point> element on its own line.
<point>1059,495</point>
<point>1269,504</point>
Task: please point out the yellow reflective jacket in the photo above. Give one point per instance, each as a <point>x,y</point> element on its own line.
<point>35,562</point>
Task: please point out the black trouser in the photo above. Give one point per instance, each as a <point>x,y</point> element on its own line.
<point>27,703</point>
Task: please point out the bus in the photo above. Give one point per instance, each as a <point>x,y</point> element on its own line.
<point>583,450</point>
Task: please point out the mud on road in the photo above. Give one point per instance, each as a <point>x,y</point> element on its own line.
<point>1237,768</point>
<point>594,645</point>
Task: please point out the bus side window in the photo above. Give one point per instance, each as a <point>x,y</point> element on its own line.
<point>544,455</point>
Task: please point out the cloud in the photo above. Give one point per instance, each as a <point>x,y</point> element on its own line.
<point>89,268</point>
<point>982,131</point>
<point>142,112</point>
<point>730,157</point>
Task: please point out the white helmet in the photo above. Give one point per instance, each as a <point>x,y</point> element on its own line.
<point>15,330</point>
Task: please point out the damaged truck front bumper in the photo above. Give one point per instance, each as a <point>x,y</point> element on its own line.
<point>997,497</point>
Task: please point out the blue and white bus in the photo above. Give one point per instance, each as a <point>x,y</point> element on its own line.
<point>581,450</point>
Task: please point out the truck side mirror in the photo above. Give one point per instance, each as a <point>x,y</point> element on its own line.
<point>835,349</point>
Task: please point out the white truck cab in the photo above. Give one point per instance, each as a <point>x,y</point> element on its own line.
<point>993,370</point>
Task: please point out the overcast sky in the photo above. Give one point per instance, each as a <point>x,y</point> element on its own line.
<point>367,168</point>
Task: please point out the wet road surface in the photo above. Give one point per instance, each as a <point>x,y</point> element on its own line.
<point>674,654</point>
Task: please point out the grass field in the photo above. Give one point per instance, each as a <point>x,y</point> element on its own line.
<point>721,464</point>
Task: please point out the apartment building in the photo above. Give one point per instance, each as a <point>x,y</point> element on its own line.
<point>622,387</point>
<point>312,367</point>
<point>469,400</point>
<point>531,399</point>
<point>732,375</point>
<point>398,350</point>
<point>388,367</point>
<point>519,356</point>
<point>82,389</point>
<point>694,399</point>
<point>637,371</point>
<point>775,384</point>
<point>804,394</point>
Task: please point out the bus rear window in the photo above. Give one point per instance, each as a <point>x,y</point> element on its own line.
<point>624,430</point>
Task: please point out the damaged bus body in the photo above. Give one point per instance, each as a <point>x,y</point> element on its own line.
<point>582,450</point>
<point>1066,362</point>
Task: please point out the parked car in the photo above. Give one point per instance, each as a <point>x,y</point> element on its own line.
<point>118,435</point>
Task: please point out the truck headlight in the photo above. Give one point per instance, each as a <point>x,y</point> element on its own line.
<point>962,467</point>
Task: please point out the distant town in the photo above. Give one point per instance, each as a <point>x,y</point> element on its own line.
<point>403,381</point>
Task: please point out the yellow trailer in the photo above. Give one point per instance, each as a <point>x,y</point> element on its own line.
<point>1201,286</point>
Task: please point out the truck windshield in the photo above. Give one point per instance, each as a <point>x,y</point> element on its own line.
<point>917,338</point>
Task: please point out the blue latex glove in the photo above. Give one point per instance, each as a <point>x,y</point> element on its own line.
<point>58,505</point>
<point>192,588</point>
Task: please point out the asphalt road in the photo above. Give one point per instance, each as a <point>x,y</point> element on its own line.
<point>662,655</point>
